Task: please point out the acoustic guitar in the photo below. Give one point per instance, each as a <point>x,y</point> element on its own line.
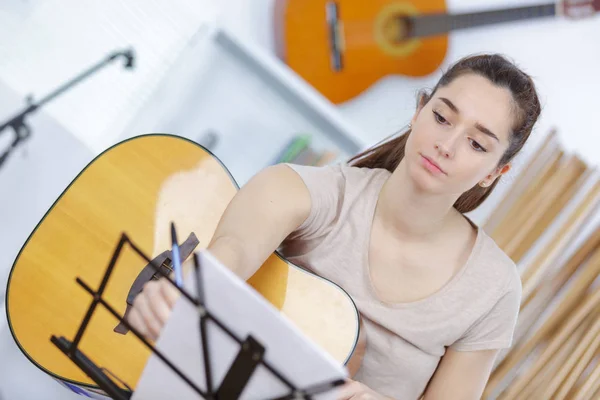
<point>137,187</point>
<point>342,47</point>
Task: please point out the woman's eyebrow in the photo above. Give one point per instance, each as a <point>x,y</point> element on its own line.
<point>477,125</point>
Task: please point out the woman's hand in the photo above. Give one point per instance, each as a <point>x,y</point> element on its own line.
<point>152,307</point>
<point>353,390</point>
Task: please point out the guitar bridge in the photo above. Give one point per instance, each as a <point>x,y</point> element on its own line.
<point>149,273</point>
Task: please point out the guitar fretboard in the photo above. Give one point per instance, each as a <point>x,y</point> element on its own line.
<point>434,24</point>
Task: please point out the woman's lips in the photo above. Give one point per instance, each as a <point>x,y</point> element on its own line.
<point>431,165</point>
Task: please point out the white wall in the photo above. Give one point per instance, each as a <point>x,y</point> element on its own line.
<point>31,180</point>
<point>563,57</point>
<point>53,40</point>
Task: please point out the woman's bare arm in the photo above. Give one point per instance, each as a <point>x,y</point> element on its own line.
<point>461,375</point>
<point>259,217</point>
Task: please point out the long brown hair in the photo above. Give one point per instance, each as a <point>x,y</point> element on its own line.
<point>500,72</point>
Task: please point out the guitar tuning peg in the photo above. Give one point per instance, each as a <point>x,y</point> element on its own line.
<point>578,8</point>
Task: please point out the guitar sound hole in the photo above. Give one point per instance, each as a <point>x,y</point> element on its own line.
<point>397,28</point>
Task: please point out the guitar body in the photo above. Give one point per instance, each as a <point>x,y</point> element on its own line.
<point>368,52</point>
<point>137,187</point>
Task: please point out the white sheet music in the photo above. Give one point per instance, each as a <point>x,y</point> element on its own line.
<point>244,312</point>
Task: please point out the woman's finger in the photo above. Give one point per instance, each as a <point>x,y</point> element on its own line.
<point>137,322</point>
<point>348,390</point>
<point>143,306</point>
<point>160,306</point>
<point>169,292</point>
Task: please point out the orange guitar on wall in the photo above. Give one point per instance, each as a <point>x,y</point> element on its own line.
<point>341,47</point>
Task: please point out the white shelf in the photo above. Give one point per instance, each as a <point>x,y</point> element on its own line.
<point>294,89</point>
<point>255,103</point>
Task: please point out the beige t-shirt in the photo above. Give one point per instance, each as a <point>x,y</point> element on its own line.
<point>477,309</point>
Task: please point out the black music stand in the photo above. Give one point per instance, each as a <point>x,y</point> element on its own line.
<point>249,356</point>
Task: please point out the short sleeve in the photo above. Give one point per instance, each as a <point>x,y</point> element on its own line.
<point>326,187</point>
<point>495,329</point>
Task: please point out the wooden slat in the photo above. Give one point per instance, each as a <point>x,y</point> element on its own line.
<point>572,298</point>
<point>572,367</point>
<point>529,173</point>
<point>591,303</point>
<point>502,233</point>
<point>590,386</point>
<point>531,312</point>
<point>542,202</point>
<point>545,375</point>
<point>549,216</point>
<point>533,275</point>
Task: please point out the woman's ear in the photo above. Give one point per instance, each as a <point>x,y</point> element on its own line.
<point>493,176</point>
<point>506,168</point>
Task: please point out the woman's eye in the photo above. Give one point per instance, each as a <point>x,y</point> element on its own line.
<point>439,118</point>
<point>477,146</point>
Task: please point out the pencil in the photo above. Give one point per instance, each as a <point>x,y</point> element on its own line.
<point>176,259</point>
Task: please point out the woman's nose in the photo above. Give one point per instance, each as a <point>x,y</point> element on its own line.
<point>443,149</point>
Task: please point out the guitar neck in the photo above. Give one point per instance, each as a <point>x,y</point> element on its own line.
<point>435,24</point>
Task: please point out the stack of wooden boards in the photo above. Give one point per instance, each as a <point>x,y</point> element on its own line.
<point>545,223</point>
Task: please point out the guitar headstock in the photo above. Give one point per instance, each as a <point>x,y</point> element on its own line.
<point>578,8</point>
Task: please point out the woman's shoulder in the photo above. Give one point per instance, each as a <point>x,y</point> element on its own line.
<point>499,266</point>
<point>490,298</point>
<point>335,190</point>
<point>491,265</point>
<point>338,188</point>
<point>339,172</point>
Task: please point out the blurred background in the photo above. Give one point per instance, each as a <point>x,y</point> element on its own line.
<point>211,71</point>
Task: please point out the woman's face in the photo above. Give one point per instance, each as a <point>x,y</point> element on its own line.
<point>464,129</point>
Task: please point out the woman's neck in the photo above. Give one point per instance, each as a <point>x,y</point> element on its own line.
<point>410,214</point>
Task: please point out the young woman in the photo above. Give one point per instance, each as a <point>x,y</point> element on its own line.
<point>438,297</point>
